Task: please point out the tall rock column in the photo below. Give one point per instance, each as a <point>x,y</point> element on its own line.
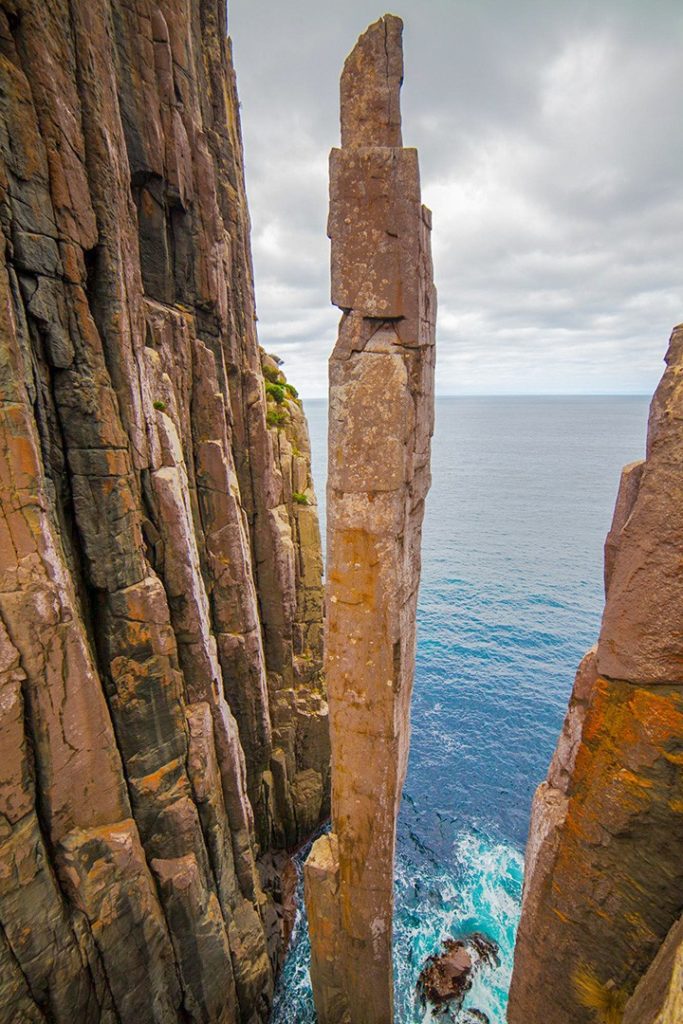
<point>604,873</point>
<point>380,424</point>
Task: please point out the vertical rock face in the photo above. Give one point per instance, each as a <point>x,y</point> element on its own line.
<point>604,871</point>
<point>162,719</point>
<point>381,420</point>
<point>658,998</point>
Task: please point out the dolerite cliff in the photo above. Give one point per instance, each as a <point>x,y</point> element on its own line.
<point>601,935</point>
<point>162,720</point>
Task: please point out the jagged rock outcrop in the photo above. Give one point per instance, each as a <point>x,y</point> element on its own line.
<point>604,871</point>
<point>162,719</point>
<point>380,425</point>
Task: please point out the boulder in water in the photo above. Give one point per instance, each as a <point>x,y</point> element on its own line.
<point>486,949</point>
<point>447,977</point>
<point>473,1017</point>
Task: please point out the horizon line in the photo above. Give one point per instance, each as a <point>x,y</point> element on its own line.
<point>522,394</point>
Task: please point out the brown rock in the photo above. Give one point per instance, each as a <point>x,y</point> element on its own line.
<point>447,977</point>
<point>640,639</point>
<point>658,997</point>
<point>160,603</point>
<point>603,872</point>
<point>105,872</point>
<point>200,941</point>
<point>370,87</point>
<point>380,423</point>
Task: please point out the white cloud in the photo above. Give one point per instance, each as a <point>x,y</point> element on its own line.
<point>550,145</point>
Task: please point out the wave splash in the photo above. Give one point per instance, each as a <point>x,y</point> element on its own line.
<point>477,888</point>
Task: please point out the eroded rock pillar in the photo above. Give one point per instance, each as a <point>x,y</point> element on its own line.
<point>380,425</point>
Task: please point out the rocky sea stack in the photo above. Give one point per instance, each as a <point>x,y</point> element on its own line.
<point>166,649</point>
<point>381,419</point>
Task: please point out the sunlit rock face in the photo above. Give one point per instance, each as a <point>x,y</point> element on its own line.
<point>162,719</point>
<point>380,425</point>
<point>604,872</point>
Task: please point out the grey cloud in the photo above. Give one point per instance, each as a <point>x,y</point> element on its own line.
<point>551,145</point>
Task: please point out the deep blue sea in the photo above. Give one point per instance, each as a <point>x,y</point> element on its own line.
<point>511,596</point>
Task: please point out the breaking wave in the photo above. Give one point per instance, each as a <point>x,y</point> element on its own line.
<point>479,889</point>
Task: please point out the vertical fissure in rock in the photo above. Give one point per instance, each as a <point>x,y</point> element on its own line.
<point>6,951</point>
<point>380,425</point>
<point>128,575</point>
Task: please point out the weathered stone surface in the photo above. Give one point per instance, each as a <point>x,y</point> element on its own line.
<point>658,998</point>
<point>300,759</point>
<point>604,875</point>
<point>380,424</point>
<point>199,939</point>
<point>370,87</point>
<point>160,602</point>
<point>321,879</point>
<point>105,873</point>
<point>640,639</point>
<point>448,976</point>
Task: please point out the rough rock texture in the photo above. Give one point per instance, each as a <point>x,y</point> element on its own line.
<point>604,872</point>
<point>447,977</point>
<point>162,719</point>
<point>381,421</point>
<point>658,998</point>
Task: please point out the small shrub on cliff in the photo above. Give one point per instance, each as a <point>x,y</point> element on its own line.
<point>271,373</point>
<point>300,498</point>
<point>276,418</point>
<point>276,392</point>
<point>291,390</point>
<point>158,404</point>
<point>606,1000</point>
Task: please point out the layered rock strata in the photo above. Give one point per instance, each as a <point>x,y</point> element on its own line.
<point>600,935</point>
<point>162,719</point>
<point>380,424</point>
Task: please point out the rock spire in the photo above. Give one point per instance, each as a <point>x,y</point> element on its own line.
<point>380,425</point>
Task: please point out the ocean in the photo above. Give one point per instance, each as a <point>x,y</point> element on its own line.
<point>510,600</point>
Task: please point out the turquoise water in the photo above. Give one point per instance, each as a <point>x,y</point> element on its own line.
<point>510,600</point>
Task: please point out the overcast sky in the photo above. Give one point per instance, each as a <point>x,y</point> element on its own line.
<point>550,135</point>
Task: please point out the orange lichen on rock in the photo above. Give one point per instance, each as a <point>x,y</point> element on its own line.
<point>380,425</point>
<point>604,872</point>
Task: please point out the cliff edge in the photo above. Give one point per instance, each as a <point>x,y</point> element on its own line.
<point>163,716</point>
<point>600,936</point>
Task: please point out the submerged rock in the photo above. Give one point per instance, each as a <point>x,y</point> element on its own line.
<point>474,1017</point>
<point>486,948</point>
<point>446,978</point>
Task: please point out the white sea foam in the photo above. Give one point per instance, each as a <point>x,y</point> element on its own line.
<point>478,889</point>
